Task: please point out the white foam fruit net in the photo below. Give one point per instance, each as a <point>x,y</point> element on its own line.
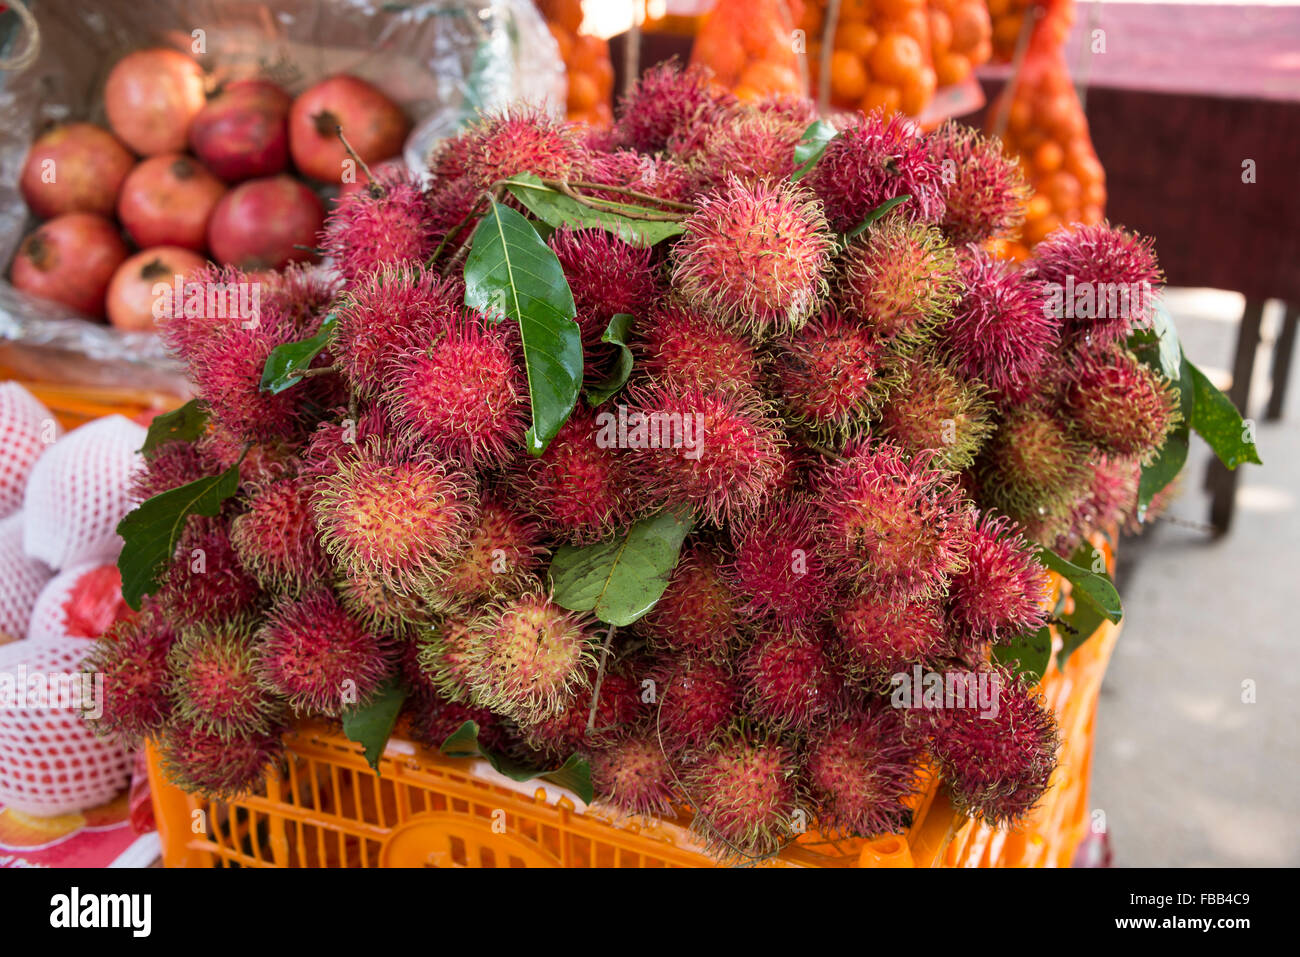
<point>21,578</point>
<point>50,761</point>
<point>49,617</point>
<point>78,492</point>
<point>26,427</point>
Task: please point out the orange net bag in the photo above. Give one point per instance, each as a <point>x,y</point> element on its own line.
<point>590,94</point>
<point>751,47</point>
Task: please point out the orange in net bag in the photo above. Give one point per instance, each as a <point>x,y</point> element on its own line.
<point>960,38</point>
<point>1009,16</point>
<point>750,45</point>
<point>589,71</point>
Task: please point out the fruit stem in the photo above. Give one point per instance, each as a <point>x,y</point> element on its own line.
<point>455,231</point>
<point>624,191</point>
<point>353,153</point>
<point>600,677</point>
<point>319,370</point>
<point>828,453</point>
<point>560,186</point>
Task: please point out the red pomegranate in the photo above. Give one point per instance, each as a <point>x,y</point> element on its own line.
<point>133,291</point>
<point>243,132</point>
<point>374,125</point>
<point>75,168</point>
<point>264,223</point>
<point>70,260</point>
<point>167,201</point>
<point>152,96</point>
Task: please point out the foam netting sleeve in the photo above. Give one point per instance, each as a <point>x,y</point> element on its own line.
<point>50,761</point>
<point>49,617</point>
<point>21,578</point>
<point>26,427</point>
<point>79,490</point>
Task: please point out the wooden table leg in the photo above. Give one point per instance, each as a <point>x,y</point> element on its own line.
<point>1282,350</point>
<point>1222,481</point>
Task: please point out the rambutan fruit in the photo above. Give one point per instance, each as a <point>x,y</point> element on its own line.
<point>216,766</point>
<point>928,406</point>
<point>717,451</point>
<point>862,770</point>
<point>750,144</point>
<point>668,101</point>
<point>696,700</point>
<point>1120,405</point>
<point>170,466</point>
<point>1110,501</point>
<point>745,792</point>
<point>900,279</point>
<point>1002,592</point>
<point>399,521</point>
<point>215,681</point>
<point>987,192</point>
<point>275,538</point>
<point>777,566</point>
<point>228,374</point>
<point>463,393</point>
<point>881,636</point>
<point>606,276</point>
<point>379,605</point>
<point>1034,470</point>
<point>899,525</point>
<point>386,224</point>
<point>789,678</point>
<point>1000,332</point>
<point>319,658</point>
<point>527,657</point>
<point>698,612</point>
<point>206,583</point>
<point>579,489</point>
<point>432,720</point>
<point>220,449</point>
<point>691,349</point>
<point>451,205</point>
<point>520,140</point>
<point>301,294</point>
<point>791,106</point>
<point>132,658</point>
<point>337,438</point>
<point>755,256</point>
<point>504,549</point>
<point>1100,278</point>
<point>561,734</point>
<point>443,655</point>
<point>832,375</point>
<point>875,159</point>
<point>996,761</point>
<point>634,776</point>
<point>659,176</point>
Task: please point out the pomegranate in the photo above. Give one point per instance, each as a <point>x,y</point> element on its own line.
<point>70,260</point>
<point>262,223</point>
<point>132,293</point>
<point>152,96</point>
<point>167,201</point>
<point>75,168</point>
<point>243,132</point>
<point>374,125</point>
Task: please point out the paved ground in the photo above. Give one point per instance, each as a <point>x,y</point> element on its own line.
<point>1187,773</point>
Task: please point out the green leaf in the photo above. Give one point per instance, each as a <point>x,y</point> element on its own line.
<point>179,425</point>
<point>1078,626</point>
<point>1028,654</point>
<point>1164,468</point>
<point>1159,346</point>
<point>574,774</point>
<point>1216,419</point>
<point>876,213</point>
<point>150,531</point>
<point>1085,585</point>
<point>810,148</point>
<point>615,334</point>
<point>560,211</point>
<point>621,578</point>
<point>371,723</point>
<point>511,272</point>
<point>286,363</point>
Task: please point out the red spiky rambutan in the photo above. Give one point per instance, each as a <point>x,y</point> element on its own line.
<point>275,538</point>
<point>831,376</point>
<point>399,521</point>
<point>217,766</point>
<point>667,102</point>
<point>170,466</point>
<point>206,583</point>
<point>319,658</point>
<point>696,699</point>
<point>899,525</point>
<point>463,393</point>
<point>1034,470</point>
<point>518,140</point>
<point>928,406</point>
<point>443,655</point>
<point>987,192</point>
<point>338,437</point>
<point>862,769</point>
<point>1002,593</point>
<point>691,349</point>
<point>606,275</point>
<point>745,793</point>
<point>527,658</point>
<point>1120,405</point>
<point>371,600</point>
<point>221,449</point>
<point>755,256</point>
<point>634,776</point>
<point>381,313</point>
<point>790,679</point>
<point>750,144</point>
<point>301,293</point>
<point>132,657</point>
<point>875,159</point>
<point>387,223</point>
<point>580,488</point>
<point>561,734</point>
<point>451,223</point>
<point>997,761</point>
<point>698,612</point>
<point>504,549</point>
<point>792,106</point>
<point>881,636</point>
<point>215,681</point>
<point>1099,278</point>
<point>717,451</point>
<point>777,566</point>
<point>899,278</point>
<point>1110,501</point>
<point>661,177</point>
<point>432,720</point>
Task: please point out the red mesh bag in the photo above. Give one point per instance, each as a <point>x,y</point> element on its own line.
<point>82,602</point>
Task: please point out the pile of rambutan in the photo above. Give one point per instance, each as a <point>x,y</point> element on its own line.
<point>886,421</point>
